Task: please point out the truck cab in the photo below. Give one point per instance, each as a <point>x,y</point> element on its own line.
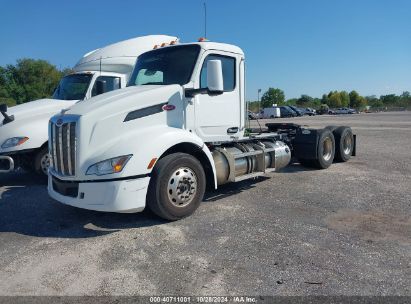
<point>24,137</point>
<point>179,127</point>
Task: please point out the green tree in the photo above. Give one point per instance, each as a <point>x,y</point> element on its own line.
<point>272,96</point>
<point>390,100</point>
<point>334,99</point>
<point>345,99</point>
<point>28,80</point>
<point>292,101</point>
<point>305,100</point>
<point>374,102</point>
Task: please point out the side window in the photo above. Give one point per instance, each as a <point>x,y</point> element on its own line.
<point>228,64</point>
<point>112,83</point>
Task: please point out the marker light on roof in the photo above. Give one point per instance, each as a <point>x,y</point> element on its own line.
<point>203,39</point>
<point>156,46</point>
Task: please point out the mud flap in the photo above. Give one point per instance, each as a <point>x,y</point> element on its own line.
<point>305,144</point>
<point>354,150</point>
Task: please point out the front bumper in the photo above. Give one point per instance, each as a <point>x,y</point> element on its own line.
<point>6,164</point>
<point>123,196</point>
<point>11,160</point>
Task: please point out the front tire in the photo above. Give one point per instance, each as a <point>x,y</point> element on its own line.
<point>42,162</point>
<point>177,186</point>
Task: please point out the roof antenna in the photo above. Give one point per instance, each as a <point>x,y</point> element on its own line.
<point>100,65</point>
<point>205,20</point>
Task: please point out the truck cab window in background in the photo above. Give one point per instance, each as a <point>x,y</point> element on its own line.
<point>73,87</point>
<point>169,65</point>
<point>228,65</point>
<point>112,83</point>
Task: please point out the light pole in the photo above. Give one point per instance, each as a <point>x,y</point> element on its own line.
<point>258,99</point>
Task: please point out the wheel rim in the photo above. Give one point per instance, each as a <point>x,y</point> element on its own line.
<point>347,145</point>
<point>327,148</point>
<point>45,163</point>
<point>182,187</point>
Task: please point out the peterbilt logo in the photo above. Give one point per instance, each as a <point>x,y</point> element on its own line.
<point>59,122</point>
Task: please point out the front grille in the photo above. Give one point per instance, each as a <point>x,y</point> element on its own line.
<point>62,145</point>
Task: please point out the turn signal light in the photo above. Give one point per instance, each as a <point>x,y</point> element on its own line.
<point>152,163</point>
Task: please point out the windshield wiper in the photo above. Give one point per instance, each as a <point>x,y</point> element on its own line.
<point>152,83</point>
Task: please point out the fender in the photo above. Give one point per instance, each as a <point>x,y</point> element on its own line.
<point>155,141</point>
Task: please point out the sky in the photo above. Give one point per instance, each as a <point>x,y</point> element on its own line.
<point>300,46</point>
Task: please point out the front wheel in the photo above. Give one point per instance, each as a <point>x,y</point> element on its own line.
<point>42,162</point>
<point>177,186</point>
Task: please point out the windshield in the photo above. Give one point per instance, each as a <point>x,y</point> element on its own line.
<point>73,87</point>
<point>171,65</point>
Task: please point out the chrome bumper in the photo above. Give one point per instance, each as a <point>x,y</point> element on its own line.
<point>11,164</point>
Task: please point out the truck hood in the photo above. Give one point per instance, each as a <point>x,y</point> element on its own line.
<point>40,107</point>
<point>125,100</point>
<point>107,120</point>
<point>31,120</point>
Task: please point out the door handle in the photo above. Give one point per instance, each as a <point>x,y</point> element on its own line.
<point>232,130</point>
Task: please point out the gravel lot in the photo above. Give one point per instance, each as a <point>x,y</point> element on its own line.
<point>341,231</point>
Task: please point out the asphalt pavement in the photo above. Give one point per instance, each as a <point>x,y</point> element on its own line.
<point>341,231</point>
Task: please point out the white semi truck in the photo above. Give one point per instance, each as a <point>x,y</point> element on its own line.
<point>23,129</point>
<point>178,128</point>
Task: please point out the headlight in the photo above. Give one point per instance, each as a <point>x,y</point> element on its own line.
<point>108,166</point>
<point>14,141</point>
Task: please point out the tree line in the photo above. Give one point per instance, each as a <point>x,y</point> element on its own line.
<point>334,99</point>
<point>28,80</point>
<point>31,79</point>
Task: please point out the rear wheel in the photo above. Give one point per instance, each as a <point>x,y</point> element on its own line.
<point>177,186</point>
<point>344,142</point>
<point>325,151</point>
<point>331,128</point>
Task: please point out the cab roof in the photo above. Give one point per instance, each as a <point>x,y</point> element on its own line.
<point>208,45</point>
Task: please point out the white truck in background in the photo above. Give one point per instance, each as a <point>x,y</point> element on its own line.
<point>273,112</point>
<point>179,127</point>
<point>23,129</point>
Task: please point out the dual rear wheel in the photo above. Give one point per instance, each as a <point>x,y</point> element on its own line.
<point>334,144</point>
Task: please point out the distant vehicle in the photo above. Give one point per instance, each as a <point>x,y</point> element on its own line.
<point>251,115</point>
<point>296,110</point>
<point>308,111</point>
<point>345,111</point>
<point>286,111</point>
<point>273,112</point>
<point>326,111</point>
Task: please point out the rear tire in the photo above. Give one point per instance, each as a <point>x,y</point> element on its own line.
<point>42,162</point>
<point>331,128</point>
<point>325,151</point>
<point>177,186</point>
<point>344,143</point>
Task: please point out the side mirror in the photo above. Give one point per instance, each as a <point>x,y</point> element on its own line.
<point>215,80</point>
<point>3,108</point>
<point>101,87</point>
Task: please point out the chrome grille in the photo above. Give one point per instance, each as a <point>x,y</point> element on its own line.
<point>62,146</point>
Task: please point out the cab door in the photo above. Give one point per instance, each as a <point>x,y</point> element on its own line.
<point>218,117</point>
